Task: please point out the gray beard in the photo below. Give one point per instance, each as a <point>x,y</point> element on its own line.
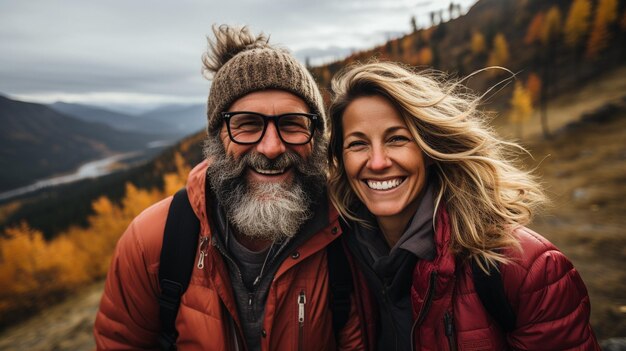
<point>267,211</point>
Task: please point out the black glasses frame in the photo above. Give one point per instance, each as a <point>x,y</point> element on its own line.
<point>274,118</point>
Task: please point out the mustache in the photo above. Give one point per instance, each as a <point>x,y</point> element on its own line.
<point>232,168</point>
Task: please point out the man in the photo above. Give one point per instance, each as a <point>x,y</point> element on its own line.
<point>261,278</point>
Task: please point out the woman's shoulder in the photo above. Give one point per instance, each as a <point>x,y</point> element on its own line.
<point>532,247</point>
<point>538,264</point>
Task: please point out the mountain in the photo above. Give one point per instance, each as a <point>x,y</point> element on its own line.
<point>114,119</point>
<point>187,119</point>
<point>37,142</point>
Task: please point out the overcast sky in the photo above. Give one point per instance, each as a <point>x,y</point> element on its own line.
<point>148,51</point>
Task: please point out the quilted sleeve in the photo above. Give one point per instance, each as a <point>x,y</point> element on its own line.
<point>128,317</point>
<point>552,307</point>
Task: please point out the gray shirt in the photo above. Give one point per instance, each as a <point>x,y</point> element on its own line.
<point>244,267</point>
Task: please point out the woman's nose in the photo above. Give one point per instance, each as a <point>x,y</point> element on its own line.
<point>378,159</point>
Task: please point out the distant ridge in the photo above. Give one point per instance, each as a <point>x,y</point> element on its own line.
<point>186,119</point>
<point>115,120</point>
<point>37,142</point>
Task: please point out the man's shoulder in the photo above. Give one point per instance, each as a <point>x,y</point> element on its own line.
<point>145,232</point>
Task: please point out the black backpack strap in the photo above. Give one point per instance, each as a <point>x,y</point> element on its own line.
<point>341,285</point>
<point>180,242</point>
<point>490,289</point>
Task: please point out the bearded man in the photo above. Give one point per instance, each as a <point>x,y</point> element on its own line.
<point>261,278</point>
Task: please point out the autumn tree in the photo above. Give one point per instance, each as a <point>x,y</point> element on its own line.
<point>577,22</point>
<point>533,86</point>
<point>499,55</point>
<point>413,24</point>
<point>533,33</point>
<point>551,29</point>
<point>478,43</point>
<point>606,15</point>
<point>425,56</point>
<point>549,36</point>
<point>521,107</point>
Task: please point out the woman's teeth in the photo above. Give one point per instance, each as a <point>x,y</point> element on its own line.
<point>384,185</point>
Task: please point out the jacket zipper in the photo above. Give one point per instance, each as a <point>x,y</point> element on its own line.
<point>448,322</point>
<point>429,299</point>
<point>301,303</point>
<point>202,245</point>
<point>219,248</point>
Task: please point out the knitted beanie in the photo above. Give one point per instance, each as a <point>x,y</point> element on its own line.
<point>241,63</point>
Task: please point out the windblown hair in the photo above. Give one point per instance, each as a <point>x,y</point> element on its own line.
<point>229,41</point>
<point>477,181</point>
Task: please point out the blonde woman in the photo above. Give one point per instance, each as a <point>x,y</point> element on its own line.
<point>430,196</point>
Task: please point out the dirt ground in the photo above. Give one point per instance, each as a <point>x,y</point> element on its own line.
<point>64,327</point>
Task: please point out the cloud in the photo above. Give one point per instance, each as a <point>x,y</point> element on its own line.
<point>153,48</point>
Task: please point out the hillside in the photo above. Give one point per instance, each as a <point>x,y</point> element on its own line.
<point>42,211</point>
<point>116,120</point>
<point>38,142</point>
<point>185,119</point>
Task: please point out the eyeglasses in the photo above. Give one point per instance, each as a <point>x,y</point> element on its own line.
<point>249,127</point>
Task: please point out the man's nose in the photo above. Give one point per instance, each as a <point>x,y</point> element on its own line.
<point>271,146</point>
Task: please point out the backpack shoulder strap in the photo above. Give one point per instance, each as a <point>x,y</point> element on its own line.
<point>341,285</point>
<point>180,241</point>
<point>490,289</point>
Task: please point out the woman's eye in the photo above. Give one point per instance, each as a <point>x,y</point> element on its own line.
<point>397,139</point>
<point>355,144</point>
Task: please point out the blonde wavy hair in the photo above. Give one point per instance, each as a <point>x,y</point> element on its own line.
<point>484,192</point>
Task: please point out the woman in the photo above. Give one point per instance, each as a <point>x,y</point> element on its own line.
<point>429,192</point>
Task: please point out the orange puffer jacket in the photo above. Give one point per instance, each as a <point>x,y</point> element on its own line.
<point>128,317</point>
<point>545,291</point>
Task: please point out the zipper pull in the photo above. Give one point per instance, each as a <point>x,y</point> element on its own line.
<point>203,244</point>
<point>301,302</point>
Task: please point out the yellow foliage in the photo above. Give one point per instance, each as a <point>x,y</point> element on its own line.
<point>407,44</point>
<point>577,23</point>
<point>478,43</point>
<point>499,55</point>
<point>425,56</point>
<point>23,253</point>
<point>606,12</point>
<point>521,104</point>
<point>551,26</point>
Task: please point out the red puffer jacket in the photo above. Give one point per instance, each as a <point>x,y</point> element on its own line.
<point>544,289</point>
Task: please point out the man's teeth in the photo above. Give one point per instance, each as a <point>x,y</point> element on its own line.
<point>384,185</point>
<point>269,171</point>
